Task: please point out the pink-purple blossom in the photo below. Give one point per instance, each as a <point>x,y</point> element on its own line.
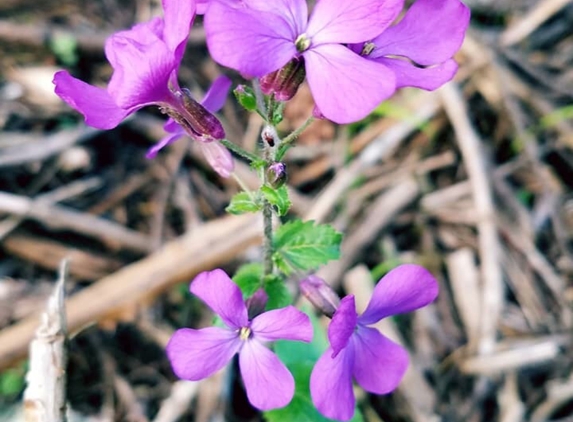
<point>419,48</point>
<point>352,56</point>
<point>197,354</point>
<point>145,61</point>
<point>362,353</point>
<point>257,37</point>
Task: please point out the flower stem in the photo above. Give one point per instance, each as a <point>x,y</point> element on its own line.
<point>267,238</point>
<point>287,142</point>
<point>240,151</point>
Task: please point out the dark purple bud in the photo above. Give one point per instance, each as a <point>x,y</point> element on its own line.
<point>320,294</point>
<point>256,303</point>
<point>284,83</point>
<point>276,175</point>
<point>199,122</point>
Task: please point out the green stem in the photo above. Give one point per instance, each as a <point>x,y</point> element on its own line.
<point>240,151</point>
<point>287,142</point>
<point>267,238</point>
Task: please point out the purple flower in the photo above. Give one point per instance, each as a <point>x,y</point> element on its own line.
<point>361,352</point>
<point>257,37</point>
<point>429,35</point>
<point>145,60</point>
<point>197,354</point>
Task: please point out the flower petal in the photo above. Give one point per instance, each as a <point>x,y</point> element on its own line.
<point>404,289</point>
<point>429,78</point>
<point>294,11</point>
<point>430,33</point>
<point>379,363</point>
<point>97,106</point>
<point>178,18</point>
<point>268,382</point>
<point>343,21</point>
<point>286,323</point>
<point>169,139</point>
<point>222,295</point>
<point>345,86</point>
<point>342,325</point>
<point>218,157</point>
<point>331,385</point>
<point>216,96</point>
<point>197,354</point>
<point>250,41</point>
<point>142,65</point>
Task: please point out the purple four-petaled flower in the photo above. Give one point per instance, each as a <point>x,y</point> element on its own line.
<point>197,354</point>
<point>361,352</point>
<point>145,60</point>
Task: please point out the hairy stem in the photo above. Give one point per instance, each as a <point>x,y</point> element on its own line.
<point>267,238</point>
<point>239,151</point>
<point>287,142</point>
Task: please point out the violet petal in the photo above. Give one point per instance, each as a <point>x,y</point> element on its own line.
<point>286,323</point>
<point>141,71</point>
<point>379,363</point>
<point>430,33</point>
<point>215,98</point>
<point>428,78</point>
<point>222,295</point>
<point>342,325</point>
<point>218,157</point>
<point>345,86</point>
<point>343,21</point>
<point>250,41</point>
<point>97,106</point>
<point>268,382</point>
<point>169,139</point>
<point>404,289</point>
<point>178,17</point>
<point>331,385</point>
<point>198,354</point>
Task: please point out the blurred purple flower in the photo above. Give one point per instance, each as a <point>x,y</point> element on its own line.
<point>145,61</point>
<point>257,37</point>
<point>361,352</point>
<point>419,49</point>
<point>197,354</point>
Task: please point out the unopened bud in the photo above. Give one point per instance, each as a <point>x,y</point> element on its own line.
<point>320,294</point>
<point>284,83</point>
<point>256,303</point>
<point>276,175</point>
<point>246,97</point>
<point>199,122</point>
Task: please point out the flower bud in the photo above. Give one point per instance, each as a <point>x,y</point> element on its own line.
<point>246,97</point>
<point>276,175</point>
<point>199,122</point>
<point>320,294</point>
<point>256,303</point>
<point>284,83</point>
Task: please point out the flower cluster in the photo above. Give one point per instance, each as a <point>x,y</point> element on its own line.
<point>356,350</point>
<point>349,51</point>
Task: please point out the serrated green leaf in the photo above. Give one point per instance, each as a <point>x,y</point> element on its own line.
<point>301,408</point>
<point>248,277</point>
<point>277,198</point>
<point>279,295</point>
<point>242,203</point>
<point>305,246</point>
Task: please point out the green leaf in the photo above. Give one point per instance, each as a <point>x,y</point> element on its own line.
<point>248,277</point>
<point>279,295</point>
<point>242,203</point>
<point>305,246</point>
<point>301,408</point>
<point>277,198</point>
